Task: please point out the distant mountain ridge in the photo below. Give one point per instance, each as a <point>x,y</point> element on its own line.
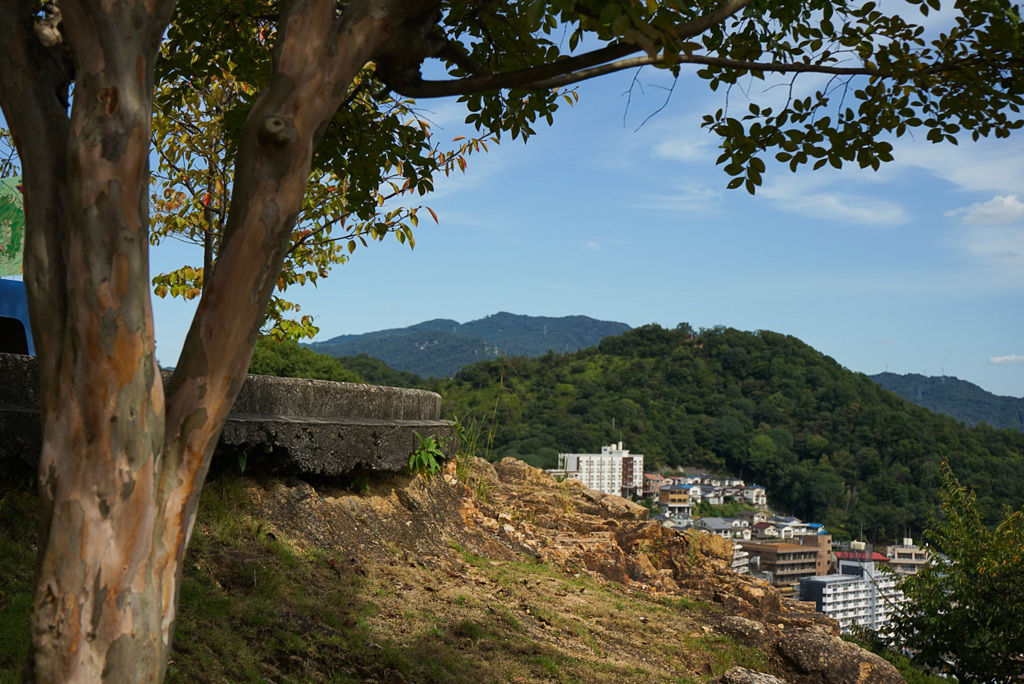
<point>440,347</point>
<point>957,398</point>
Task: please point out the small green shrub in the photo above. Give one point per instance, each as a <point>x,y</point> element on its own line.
<point>427,457</point>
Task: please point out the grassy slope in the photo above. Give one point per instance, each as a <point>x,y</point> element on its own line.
<point>258,607</point>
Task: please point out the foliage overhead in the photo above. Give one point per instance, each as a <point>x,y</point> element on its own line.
<point>965,613</point>
<point>375,156</point>
<point>888,75</point>
<point>827,443</point>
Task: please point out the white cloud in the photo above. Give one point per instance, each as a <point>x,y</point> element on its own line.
<point>810,194</point>
<point>1012,358</point>
<point>683,198</point>
<point>687,149</point>
<point>999,250</point>
<point>592,246</point>
<point>990,166</point>
<point>998,211</point>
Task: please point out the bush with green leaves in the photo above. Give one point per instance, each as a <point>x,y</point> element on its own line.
<point>965,613</point>
<point>427,457</point>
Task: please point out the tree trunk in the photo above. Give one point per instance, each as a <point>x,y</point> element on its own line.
<point>122,465</point>
<point>105,580</point>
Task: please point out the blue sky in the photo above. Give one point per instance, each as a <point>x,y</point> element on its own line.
<point>916,268</point>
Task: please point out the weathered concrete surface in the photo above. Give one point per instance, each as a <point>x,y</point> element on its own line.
<point>286,425</point>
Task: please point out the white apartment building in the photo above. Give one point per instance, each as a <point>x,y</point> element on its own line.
<point>859,595</point>
<point>613,471</point>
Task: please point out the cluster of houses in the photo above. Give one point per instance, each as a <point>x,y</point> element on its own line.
<point>677,495</point>
<point>844,580</point>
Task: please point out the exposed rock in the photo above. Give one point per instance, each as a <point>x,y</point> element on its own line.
<point>527,514</point>
<point>818,657</point>
<point>741,675</point>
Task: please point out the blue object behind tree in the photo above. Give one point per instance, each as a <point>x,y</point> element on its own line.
<point>15,331</point>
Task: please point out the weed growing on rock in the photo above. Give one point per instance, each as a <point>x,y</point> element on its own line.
<point>427,457</point>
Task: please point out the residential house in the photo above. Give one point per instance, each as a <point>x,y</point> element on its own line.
<point>907,559</point>
<point>764,530</point>
<point>727,528</point>
<point>789,527</point>
<point>712,494</point>
<point>675,499</point>
<point>652,483</point>
<point>752,517</point>
<point>674,522</point>
<point>756,495</point>
<point>732,492</point>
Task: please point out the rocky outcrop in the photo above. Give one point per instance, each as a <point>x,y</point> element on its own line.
<point>510,511</point>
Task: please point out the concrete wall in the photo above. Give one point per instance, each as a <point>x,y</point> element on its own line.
<point>286,425</point>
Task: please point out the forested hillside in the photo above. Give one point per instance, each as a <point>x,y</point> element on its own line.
<point>440,347</point>
<point>829,444</point>
<point>960,399</point>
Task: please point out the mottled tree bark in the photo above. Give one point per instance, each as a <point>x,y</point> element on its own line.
<point>122,464</point>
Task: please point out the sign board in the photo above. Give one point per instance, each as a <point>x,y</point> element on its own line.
<point>12,227</point>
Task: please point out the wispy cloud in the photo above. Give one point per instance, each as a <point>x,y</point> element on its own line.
<point>811,194</point>
<point>690,148</point>
<point>1001,210</point>
<point>592,246</point>
<point>999,250</point>
<point>985,166</point>
<point>683,198</point>
<point>1012,358</point>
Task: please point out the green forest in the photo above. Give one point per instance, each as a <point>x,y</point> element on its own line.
<point>440,347</point>
<point>829,444</point>
<point>963,400</point>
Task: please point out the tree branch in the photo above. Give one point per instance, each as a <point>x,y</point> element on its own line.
<point>535,77</point>
<point>469,86</point>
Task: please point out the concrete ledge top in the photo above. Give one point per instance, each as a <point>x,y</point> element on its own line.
<point>310,399</point>
<point>264,396</point>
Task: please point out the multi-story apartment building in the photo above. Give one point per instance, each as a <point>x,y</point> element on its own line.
<point>822,545</point>
<point>781,563</point>
<point>859,595</point>
<point>613,471</point>
<point>906,559</point>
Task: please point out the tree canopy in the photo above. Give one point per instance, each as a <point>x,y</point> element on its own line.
<point>199,112</point>
<point>964,614</point>
<point>124,458</point>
